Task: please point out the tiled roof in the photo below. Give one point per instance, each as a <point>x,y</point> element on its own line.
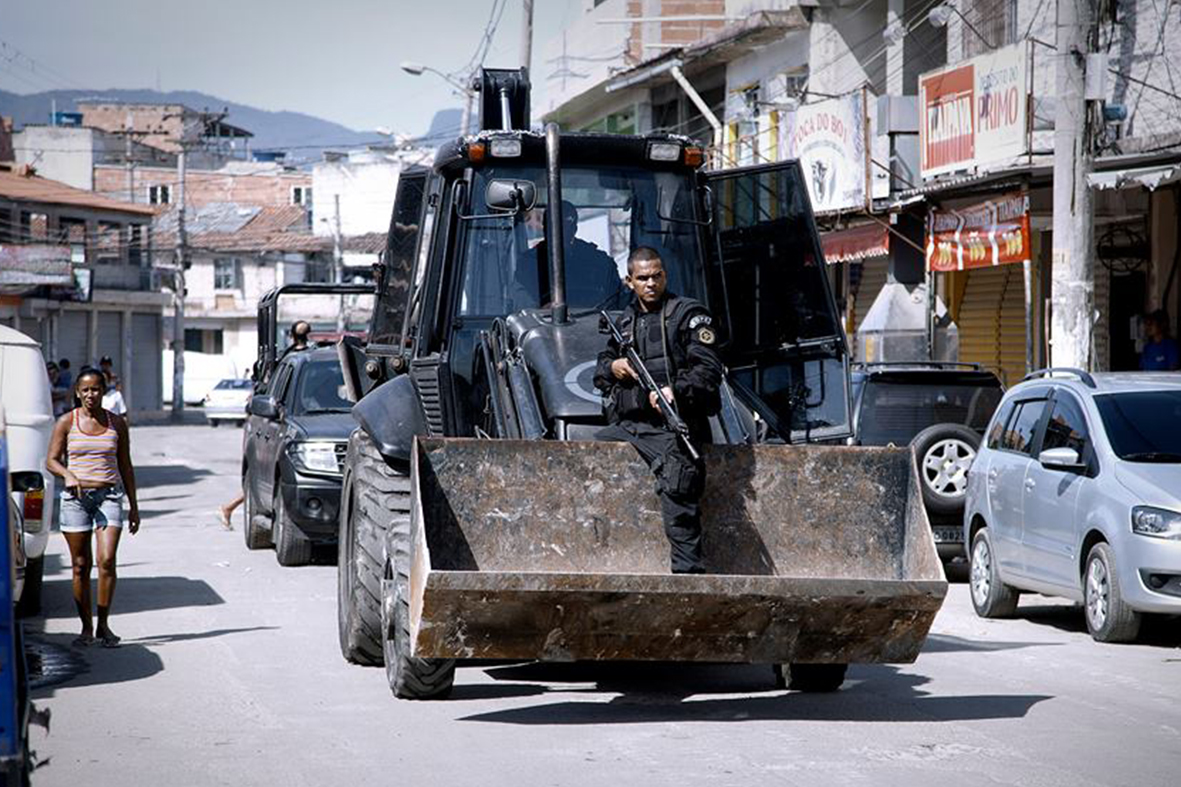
<point>369,243</point>
<point>232,227</point>
<point>17,186</point>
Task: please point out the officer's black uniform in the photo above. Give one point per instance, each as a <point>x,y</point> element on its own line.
<point>676,344</point>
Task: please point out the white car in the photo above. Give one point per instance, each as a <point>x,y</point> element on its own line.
<point>227,401</point>
<point>28,407</point>
<point>1076,492</point>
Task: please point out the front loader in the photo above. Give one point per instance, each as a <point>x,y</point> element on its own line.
<point>480,519</point>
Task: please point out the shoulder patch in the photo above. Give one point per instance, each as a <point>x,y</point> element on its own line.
<point>699,319</point>
<point>705,335</point>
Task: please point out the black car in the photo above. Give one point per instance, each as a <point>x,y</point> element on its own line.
<point>941,409</point>
<point>293,454</point>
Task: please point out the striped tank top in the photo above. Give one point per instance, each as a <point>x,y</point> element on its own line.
<point>92,458</point>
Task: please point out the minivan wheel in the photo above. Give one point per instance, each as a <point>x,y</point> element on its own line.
<point>990,597</point>
<point>1109,618</point>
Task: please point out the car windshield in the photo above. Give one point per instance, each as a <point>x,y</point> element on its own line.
<point>894,412</point>
<point>321,389</point>
<point>1143,426</point>
<point>607,213</point>
<point>233,385</point>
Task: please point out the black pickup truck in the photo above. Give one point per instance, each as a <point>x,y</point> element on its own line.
<point>293,450</point>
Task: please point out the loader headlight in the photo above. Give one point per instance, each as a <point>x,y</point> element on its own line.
<point>314,457</point>
<point>505,148</point>
<point>1156,522</point>
<point>664,151</point>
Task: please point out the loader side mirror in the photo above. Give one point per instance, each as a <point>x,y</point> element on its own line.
<point>512,196</point>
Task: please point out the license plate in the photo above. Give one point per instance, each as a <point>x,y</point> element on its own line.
<point>948,535</point>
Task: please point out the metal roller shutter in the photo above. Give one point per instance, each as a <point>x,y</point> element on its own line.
<point>146,382</point>
<point>110,339</point>
<point>872,279</point>
<point>73,339</point>
<point>992,321</point>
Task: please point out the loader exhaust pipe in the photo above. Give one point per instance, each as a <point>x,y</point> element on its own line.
<point>553,221</point>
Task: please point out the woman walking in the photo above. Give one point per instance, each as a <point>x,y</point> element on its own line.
<point>97,474</point>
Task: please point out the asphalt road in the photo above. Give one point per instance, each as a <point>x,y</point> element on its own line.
<point>230,674</point>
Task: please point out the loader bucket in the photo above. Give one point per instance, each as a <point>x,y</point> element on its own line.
<point>556,551</point>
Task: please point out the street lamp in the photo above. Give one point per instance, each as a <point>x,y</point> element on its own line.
<point>417,69</point>
<point>939,15</point>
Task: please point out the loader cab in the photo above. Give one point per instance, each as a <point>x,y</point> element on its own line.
<point>461,260</point>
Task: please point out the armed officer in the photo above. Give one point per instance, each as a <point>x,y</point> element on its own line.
<point>674,337</point>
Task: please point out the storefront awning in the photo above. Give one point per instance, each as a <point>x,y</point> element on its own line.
<point>855,243</point>
<point>1150,178</point>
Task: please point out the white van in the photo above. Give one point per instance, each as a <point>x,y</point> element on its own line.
<point>24,392</point>
<point>203,371</point>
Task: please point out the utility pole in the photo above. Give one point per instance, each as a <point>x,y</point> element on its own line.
<point>178,320</point>
<point>127,129</point>
<point>1072,299</point>
<point>337,261</point>
<point>526,33</point>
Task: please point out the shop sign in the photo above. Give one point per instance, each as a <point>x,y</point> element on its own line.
<point>828,138</point>
<point>995,232</point>
<point>975,113</point>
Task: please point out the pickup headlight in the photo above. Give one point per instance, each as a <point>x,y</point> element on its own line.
<point>314,457</point>
<point>1156,522</point>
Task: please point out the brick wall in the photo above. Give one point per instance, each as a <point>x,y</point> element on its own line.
<point>263,188</point>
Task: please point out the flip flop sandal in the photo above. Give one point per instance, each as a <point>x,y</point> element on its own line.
<point>224,519</point>
<point>83,640</point>
<point>111,641</point>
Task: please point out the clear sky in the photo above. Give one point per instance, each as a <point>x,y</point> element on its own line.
<point>336,59</point>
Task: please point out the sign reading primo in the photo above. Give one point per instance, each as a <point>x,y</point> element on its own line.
<point>975,114</point>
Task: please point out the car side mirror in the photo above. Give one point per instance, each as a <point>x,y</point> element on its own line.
<point>264,407</point>
<point>513,196</point>
<point>27,481</point>
<point>1061,459</point>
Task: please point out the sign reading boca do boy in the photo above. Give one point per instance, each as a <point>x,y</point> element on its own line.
<point>995,232</point>
<point>975,114</point>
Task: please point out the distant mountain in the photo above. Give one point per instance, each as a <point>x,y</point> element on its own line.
<point>303,135</point>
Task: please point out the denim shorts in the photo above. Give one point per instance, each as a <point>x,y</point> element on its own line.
<point>93,508</point>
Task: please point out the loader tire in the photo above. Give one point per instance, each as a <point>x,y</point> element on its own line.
<point>410,678</point>
<point>812,678</point>
<point>374,498</point>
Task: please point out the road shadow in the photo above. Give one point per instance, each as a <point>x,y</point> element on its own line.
<point>89,666</point>
<point>147,476</point>
<point>1156,630</point>
<point>133,594</point>
<point>946,643</point>
<point>650,693</point>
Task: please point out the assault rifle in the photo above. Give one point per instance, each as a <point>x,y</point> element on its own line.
<point>674,421</point>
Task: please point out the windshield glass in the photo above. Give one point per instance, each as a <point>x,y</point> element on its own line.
<point>895,412</point>
<point>321,389</point>
<point>607,213</point>
<point>237,385</point>
<point>1144,426</point>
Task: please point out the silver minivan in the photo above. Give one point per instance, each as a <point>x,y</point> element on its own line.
<point>1076,492</point>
